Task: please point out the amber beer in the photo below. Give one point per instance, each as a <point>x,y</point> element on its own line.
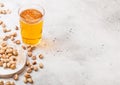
<point>31,24</point>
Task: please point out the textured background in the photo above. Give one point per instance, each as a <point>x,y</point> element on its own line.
<point>81,42</point>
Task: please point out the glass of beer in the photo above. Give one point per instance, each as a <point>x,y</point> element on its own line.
<point>31,23</point>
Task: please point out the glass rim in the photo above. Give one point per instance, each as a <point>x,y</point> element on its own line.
<point>31,6</point>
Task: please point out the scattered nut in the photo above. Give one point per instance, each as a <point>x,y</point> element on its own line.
<point>41,65</point>
<point>34,62</point>
<point>27,75</point>
<point>35,68</point>
<point>18,42</point>
<point>3,12</point>
<point>33,57</point>
<point>8,30</point>
<point>8,83</point>
<point>23,47</point>
<point>12,83</point>
<point>3,25</point>
<point>5,38</point>
<point>4,30</point>
<point>33,47</point>
<point>32,67</point>
<point>1,5</point>
<point>29,54</point>
<point>12,38</point>
<point>16,77</point>
<point>25,80</point>
<point>16,28</point>
<point>14,34</point>
<point>27,63</point>
<point>41,56</point>
<point>30,80</point>
<point>29,70</point>
<point>29,49</point>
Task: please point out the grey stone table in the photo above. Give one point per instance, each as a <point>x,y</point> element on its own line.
<point>81,42</point>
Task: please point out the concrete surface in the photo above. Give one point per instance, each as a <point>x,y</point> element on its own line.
<point>81,42</point>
